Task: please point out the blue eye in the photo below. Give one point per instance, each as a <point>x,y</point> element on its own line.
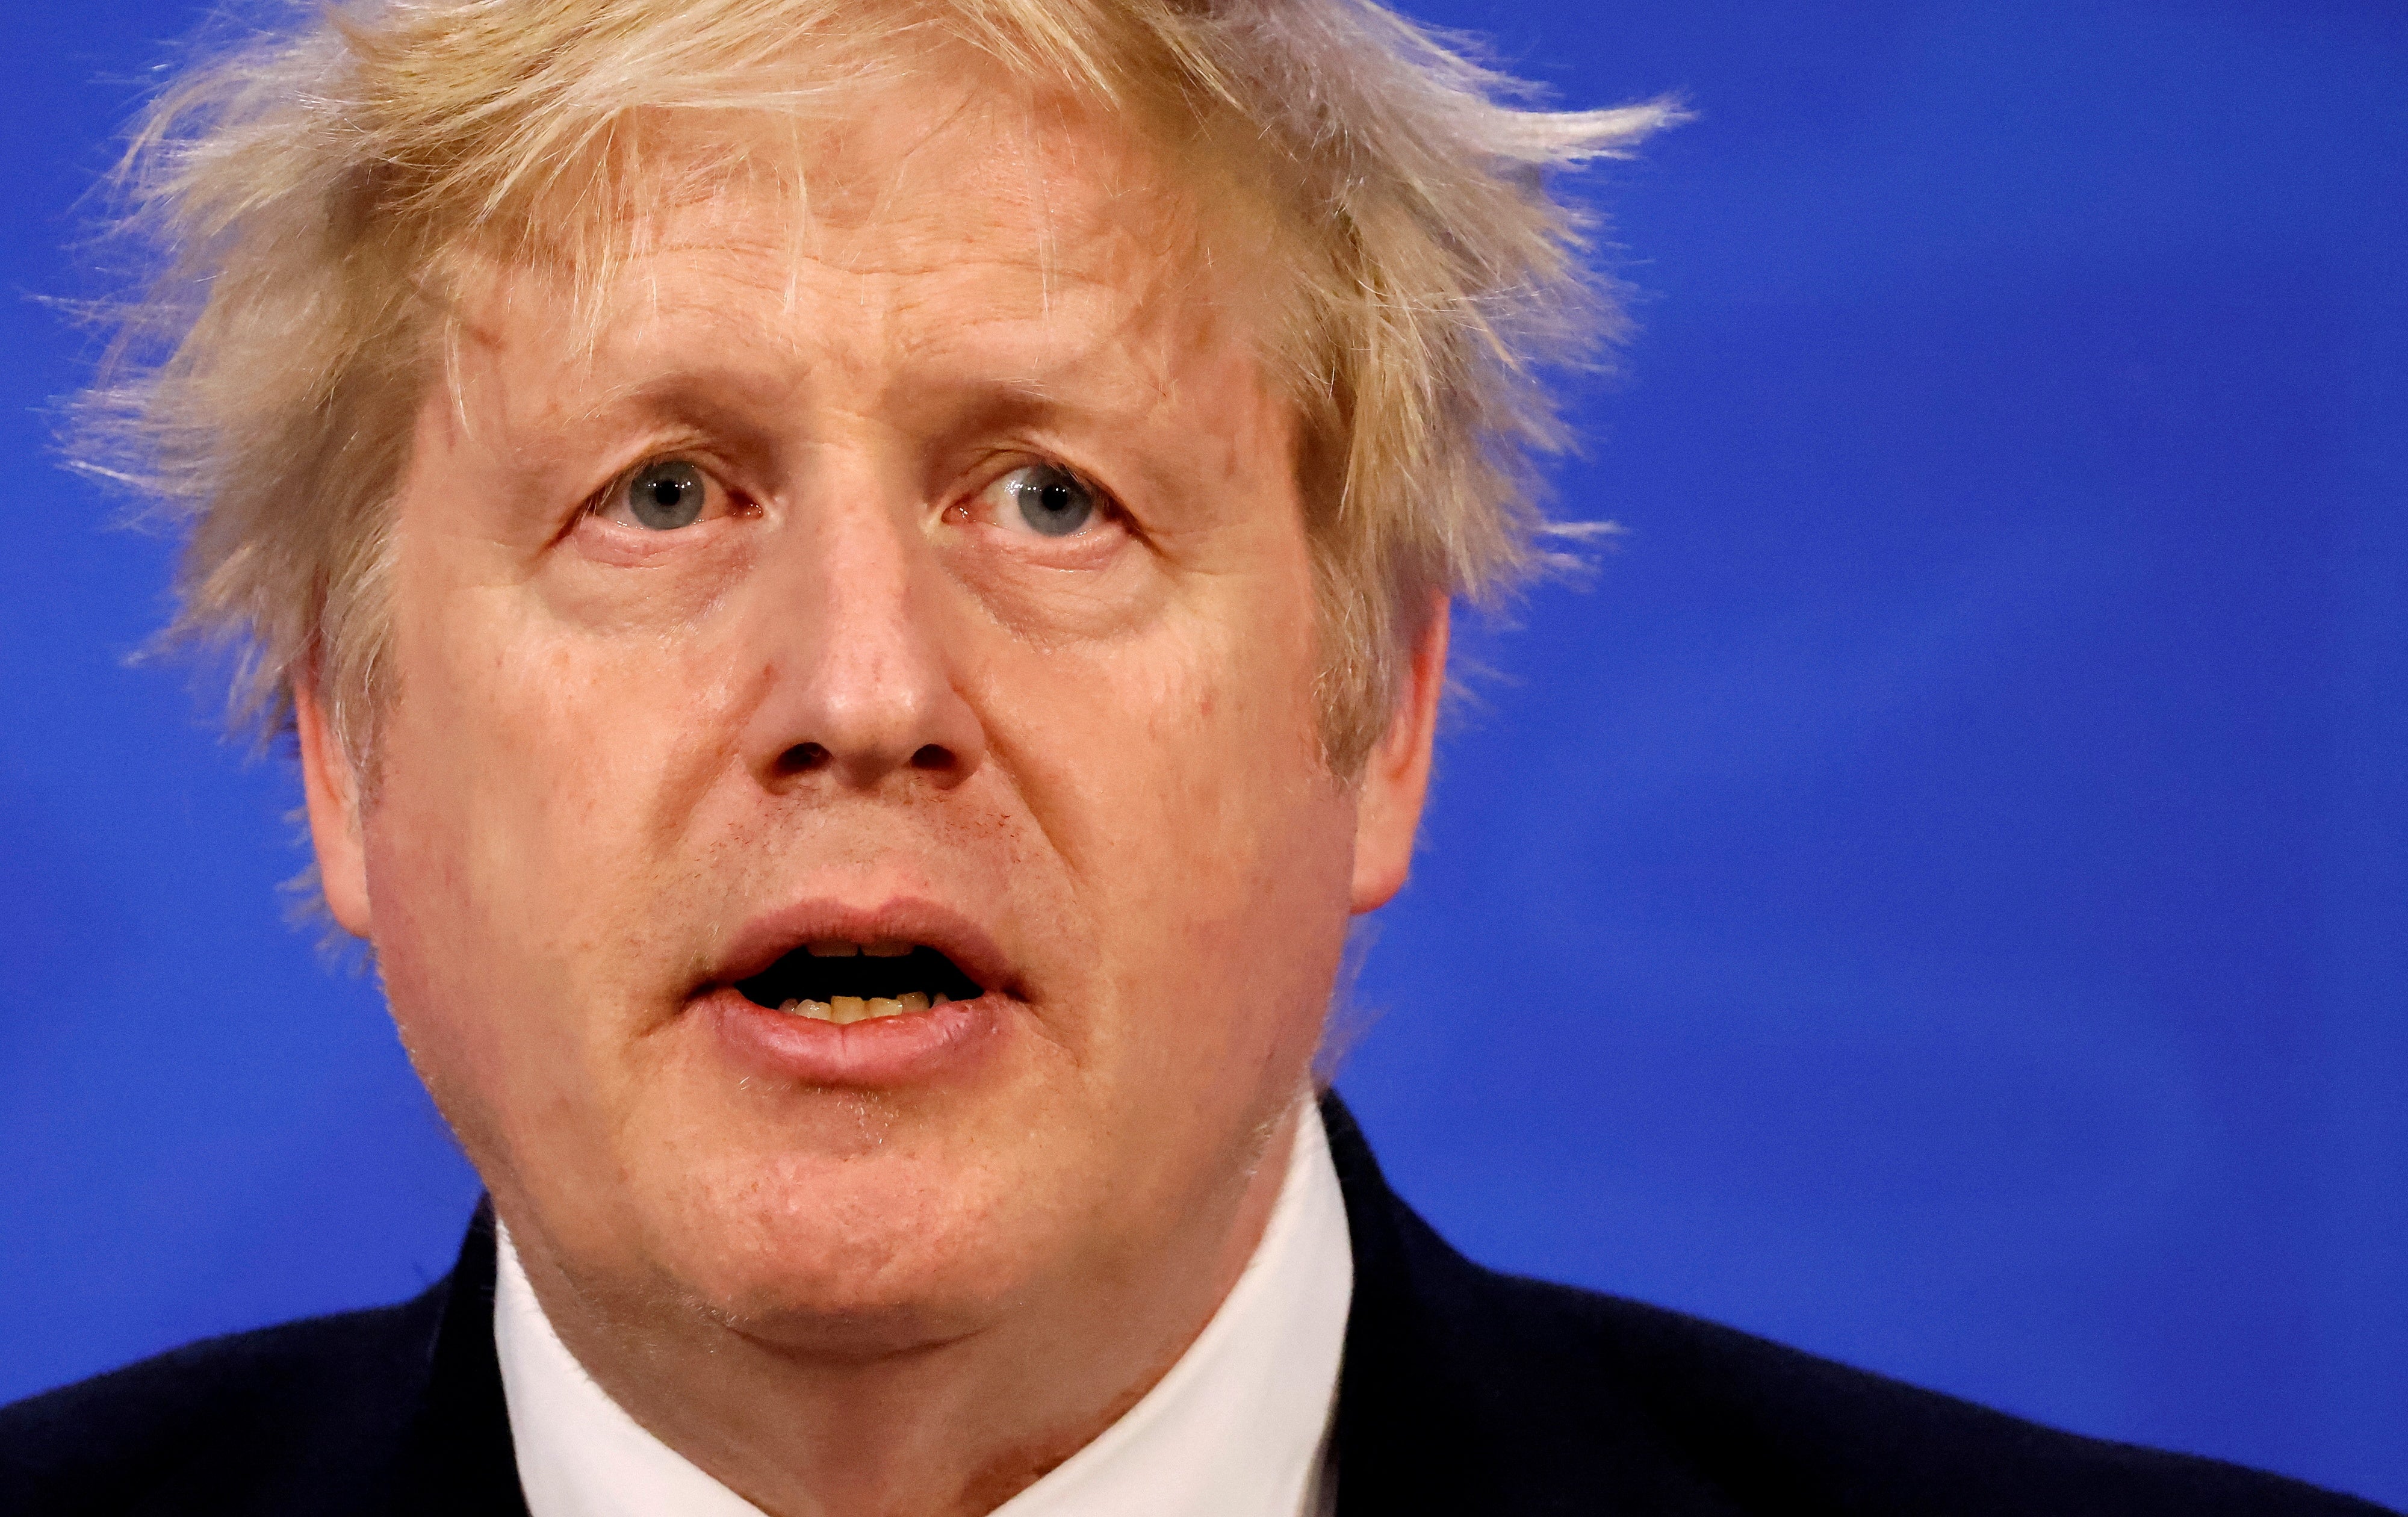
<point>1054,502</point>
<point>667,495</point>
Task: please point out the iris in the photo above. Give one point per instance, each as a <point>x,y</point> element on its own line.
<point>1054,502</point>
<point>667,495</point>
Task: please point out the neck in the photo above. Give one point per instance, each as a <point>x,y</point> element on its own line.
<point>955,1424</point>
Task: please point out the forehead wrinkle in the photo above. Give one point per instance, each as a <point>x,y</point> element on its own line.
<point>1134,342</point>
<point>1081,247</point>
<point>1132,242</point>
<point>1122,368</point>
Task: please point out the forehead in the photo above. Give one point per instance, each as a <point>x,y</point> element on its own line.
<point>942,207</point>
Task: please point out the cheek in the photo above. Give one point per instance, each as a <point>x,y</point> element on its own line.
<point>1177,773</point>
<point>516,869</point>
<point>528,774</point>
<point>551,754</point>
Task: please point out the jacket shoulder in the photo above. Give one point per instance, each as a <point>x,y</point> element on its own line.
<point>1771,1428</point>
<point>1470,1389</point>
<point>305,1416</point>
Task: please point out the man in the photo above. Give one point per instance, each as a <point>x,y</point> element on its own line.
<point>863,589</point>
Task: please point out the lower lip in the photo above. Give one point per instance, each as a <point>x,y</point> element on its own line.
<point>904,1049</point>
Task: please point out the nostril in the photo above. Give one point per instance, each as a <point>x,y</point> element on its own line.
<point>931,756</point>
<point>802,758</point>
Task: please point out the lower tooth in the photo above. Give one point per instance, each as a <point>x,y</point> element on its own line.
<point>915,1001</point>
<point>883,1005</point>
<point>939,999</point>
<point>843,1009</point>
<point>813,1008</point>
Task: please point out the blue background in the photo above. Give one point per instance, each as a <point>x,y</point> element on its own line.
<point>1938,895</point>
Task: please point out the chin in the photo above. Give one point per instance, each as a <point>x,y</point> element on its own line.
<point>870,1252</point>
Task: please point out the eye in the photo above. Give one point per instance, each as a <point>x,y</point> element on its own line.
<point>1047,500</point>
<point>660,498</point>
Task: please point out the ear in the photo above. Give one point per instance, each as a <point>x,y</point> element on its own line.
<point>1388,805</point>
<point>332,792</point>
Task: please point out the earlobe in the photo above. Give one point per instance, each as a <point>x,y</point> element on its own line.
<point>332,792</point>
<point>1388,809</point>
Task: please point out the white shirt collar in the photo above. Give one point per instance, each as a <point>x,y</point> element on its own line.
<point>1240,1426</point>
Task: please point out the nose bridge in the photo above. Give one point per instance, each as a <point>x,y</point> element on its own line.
<point>860,684</point>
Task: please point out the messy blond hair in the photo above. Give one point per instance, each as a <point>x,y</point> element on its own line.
<point>310,189</point>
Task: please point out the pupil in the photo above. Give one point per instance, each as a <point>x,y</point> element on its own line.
<point>665,492</point>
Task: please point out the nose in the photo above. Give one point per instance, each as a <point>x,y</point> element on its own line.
<point>858,688</point>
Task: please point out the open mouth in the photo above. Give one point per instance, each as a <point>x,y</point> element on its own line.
<point>845,983</point>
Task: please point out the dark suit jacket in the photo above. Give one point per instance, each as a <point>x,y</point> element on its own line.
<point>1464,1391</point>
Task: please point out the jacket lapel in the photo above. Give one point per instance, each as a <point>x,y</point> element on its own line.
<point>455,1456</point>
<point>1402,1424</point>
<point>1467,1391</point>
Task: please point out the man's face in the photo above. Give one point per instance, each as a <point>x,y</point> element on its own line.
<point>926,571</point>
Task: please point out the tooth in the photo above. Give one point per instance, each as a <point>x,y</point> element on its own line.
<point>832,949</point>
<point>843,1009</point>
<point>813,1008</point>
<point>914,1001</point>
<point>883,1005</point>
<point>939,999</point>
<point>886,948</point>
<point>790,1005</point>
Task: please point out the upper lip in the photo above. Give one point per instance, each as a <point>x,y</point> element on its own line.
<point>771,936</point>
